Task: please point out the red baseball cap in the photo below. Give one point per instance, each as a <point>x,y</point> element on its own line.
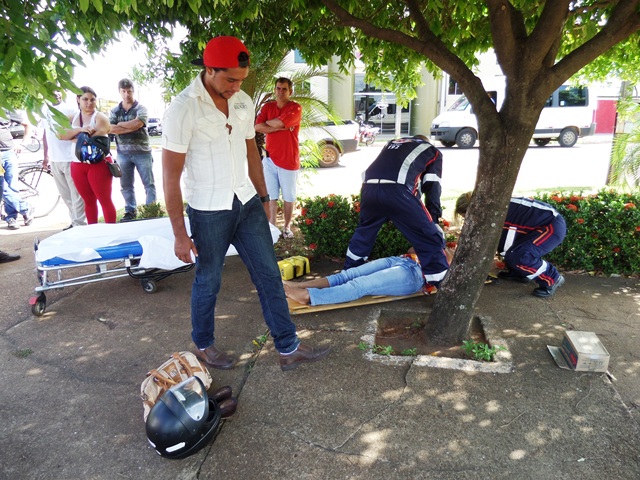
<point>224,52</point>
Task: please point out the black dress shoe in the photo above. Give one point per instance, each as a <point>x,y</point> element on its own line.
<point>304,354</point>
<point>510,275</point>
<point>221,394</point>
<point>544,292</point>
<point>215,358</point>
<point>228,407</point>
<point>7,257</point>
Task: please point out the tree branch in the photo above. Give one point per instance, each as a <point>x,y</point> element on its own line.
<point>545,40</point>
<point>428,44</point>
<point>507,26</point>
<point>623,22</point>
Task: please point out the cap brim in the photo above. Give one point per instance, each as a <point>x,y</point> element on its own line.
<point>198,61</point>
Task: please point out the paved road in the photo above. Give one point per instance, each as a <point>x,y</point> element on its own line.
<point>582,167</point>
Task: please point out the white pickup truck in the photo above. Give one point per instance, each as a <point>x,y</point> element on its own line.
<point>333,140</point>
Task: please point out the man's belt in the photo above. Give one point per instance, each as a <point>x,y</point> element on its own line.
<point>379,180</point>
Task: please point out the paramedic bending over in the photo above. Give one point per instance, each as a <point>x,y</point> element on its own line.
<point>531,230</point>
<point>385,276</point>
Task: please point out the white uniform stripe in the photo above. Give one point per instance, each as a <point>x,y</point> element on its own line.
<point>431,177</point>
<point>402,174</point>
<point>541,270</point>
<point>435,277</point>
<point>511,236</point>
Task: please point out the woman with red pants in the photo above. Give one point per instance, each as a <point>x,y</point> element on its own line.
<point>93,180</point>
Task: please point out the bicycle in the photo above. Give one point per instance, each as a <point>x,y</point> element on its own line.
<point>38,187</point>
<point>33,145</point>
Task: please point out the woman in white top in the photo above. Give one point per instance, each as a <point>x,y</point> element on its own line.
<point>93,180</point>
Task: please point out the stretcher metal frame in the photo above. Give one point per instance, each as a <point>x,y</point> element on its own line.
<point>126,264</point>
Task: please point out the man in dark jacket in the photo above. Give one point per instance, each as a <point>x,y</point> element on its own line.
<point>391,191</point>
<point>531,230</point>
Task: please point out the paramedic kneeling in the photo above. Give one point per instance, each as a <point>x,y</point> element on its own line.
<point>208,131</point>
<point>531,230</point>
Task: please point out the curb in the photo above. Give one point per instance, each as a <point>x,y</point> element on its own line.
<point>502,362</point>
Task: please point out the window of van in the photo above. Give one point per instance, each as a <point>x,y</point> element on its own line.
<point>459,105</point>
<point>572,96</point>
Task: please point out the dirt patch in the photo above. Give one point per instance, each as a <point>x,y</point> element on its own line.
<point>404,332</point>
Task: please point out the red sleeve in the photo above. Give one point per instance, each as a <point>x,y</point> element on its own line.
<point>292,115</point>
<point>263,116</point>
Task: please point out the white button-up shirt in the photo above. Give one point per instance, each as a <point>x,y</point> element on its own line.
<point>216,165</point>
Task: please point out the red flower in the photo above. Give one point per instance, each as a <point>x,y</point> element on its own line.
<point>629,205</point>
<point>313,246</point>
<point>323,215</point>
<point>575,198</point>
<point>308,221</point>
<point>331,204</point>
<point>580,221</point>
<point>452,244</point>
<point>556,198</point>
<point>445,223</point>
<point>303,212</point>
<point>616,249</point>
<point>571,206</point>
<point>638,228</point>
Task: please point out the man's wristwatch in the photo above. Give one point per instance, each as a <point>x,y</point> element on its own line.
<point>265,199</point>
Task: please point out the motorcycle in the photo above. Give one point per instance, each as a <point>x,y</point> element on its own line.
<point>368,133</point>
<point>155,131</point>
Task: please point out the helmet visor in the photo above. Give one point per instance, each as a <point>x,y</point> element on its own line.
<point>192,396</point>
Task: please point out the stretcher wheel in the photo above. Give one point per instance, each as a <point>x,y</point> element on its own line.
<point>38,305</point>
<point>149,286</point>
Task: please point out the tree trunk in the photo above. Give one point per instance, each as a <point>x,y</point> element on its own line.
<point>501,153</point>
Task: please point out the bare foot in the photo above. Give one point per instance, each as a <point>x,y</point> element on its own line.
<point>300,295</point>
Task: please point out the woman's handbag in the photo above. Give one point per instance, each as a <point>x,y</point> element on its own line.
<point>179,367</point>
<point>114,168</point>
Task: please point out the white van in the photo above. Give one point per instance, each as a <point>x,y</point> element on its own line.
<point>566,116</point>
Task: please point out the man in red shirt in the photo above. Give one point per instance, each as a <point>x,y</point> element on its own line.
<point>280,121</point>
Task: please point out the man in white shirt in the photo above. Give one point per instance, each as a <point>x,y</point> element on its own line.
<point>58,154</point>
<point>208,132</point>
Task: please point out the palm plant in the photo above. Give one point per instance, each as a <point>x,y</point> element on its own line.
<point>625,154</point>
<point>260,83</point>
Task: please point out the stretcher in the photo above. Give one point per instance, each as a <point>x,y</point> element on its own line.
<point>296,308</point>
<point>141,249</point>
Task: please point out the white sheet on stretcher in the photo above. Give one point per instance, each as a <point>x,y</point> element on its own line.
<point>79,244</point>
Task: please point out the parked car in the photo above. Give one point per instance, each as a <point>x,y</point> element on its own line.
<point>154,127</point>
<point>333,140</point>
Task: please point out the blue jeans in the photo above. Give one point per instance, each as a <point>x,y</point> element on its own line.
<point>246,227</point>
<point>385,276</point>
<point>13,203</point>
<point>143,162</point>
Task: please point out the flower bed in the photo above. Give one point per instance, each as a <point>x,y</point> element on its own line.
<point>603,230</point>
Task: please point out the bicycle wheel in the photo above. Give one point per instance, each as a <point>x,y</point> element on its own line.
<point>38,187</point>
<point>33,145</point>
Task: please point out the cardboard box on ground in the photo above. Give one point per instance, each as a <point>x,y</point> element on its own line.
<point>581,351</point>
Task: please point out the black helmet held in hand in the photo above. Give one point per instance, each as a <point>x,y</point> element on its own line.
<point>183,420</point>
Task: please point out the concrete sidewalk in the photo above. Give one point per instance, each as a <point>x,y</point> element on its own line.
<point>71,409</point>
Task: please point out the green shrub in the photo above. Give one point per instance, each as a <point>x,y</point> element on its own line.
<point>603,232</point>
<point>327,224</point>
<point>152,210</point>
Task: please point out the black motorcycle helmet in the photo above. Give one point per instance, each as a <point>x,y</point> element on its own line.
<point>183,420</point>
